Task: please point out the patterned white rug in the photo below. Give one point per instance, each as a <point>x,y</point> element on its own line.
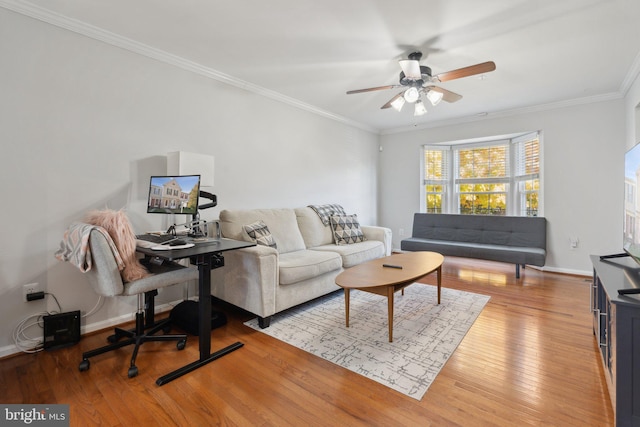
<point>424,334</point>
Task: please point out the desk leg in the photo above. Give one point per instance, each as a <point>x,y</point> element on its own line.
<point>204,305</point>
<point>205,264</point>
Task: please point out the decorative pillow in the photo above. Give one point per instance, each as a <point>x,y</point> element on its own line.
<point>346,229</point>
<point>260,233</point>
<point>119,228</point>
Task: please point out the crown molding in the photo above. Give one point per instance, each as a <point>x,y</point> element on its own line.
<point>97,33</point>
<point>29,9</point>
<point>631,76</point>
<point>507,113</point>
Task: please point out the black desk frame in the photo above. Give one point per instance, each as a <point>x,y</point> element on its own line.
<point>207,256</point>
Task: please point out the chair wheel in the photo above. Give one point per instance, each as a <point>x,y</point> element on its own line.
<point>84,365</point>
<point>133,371</point>
<point>112,338</point>
<point>181,344</point>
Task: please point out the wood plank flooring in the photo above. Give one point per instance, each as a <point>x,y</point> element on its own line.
<point>530,359</point>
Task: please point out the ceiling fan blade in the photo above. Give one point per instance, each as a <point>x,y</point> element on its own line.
<point>371,89</point>
<point>471,70</point>
<point>411,68</point>
<point>447,95</point>
<point>388,104</point>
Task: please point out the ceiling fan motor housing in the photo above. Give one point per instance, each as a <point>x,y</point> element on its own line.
<point>426,76</point>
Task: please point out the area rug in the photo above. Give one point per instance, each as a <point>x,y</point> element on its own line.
<point>425,334</point>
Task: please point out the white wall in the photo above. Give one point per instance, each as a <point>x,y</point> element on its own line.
<point>84,124</point>
<point>583,150</point>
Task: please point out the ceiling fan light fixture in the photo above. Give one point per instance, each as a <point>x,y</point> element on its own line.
<point>434,97</point>
<point>420,109</point>
<point>411,68</point>
<point>411,94</point>
<point>398,103</point>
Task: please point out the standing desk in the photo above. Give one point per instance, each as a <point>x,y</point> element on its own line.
<point>207,256</point>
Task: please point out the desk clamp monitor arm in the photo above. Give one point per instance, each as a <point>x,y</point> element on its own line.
<point>196,225</point>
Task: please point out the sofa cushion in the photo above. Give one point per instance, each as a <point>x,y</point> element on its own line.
<point>306,264</point>
<point>356,253</point>
<point>260,233</point>
<point>346,229</point>
<point>281,222</point>
<point>314,232</point>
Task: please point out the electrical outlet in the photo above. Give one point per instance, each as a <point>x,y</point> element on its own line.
<point>573,242</point>
<point>31,288</point>
<point>401,232</point>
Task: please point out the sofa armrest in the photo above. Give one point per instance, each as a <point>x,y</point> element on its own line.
<point>248,279</point>
<point>382,234</point>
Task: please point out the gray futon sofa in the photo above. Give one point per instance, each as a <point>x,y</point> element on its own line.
<point>518,240</point>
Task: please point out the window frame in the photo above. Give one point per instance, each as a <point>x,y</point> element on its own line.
<point>515,181</point>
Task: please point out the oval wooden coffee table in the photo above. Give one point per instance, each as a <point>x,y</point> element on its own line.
<point>385,276</point>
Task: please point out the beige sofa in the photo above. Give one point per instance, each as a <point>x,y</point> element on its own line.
<point>265,280</point>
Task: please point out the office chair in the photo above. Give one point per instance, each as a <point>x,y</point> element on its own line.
<point>106,280</point>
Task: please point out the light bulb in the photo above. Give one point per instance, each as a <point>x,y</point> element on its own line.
<point>419,109</point>
<point>398,103</point>
<point>411,94</point>
<point>434,97</point>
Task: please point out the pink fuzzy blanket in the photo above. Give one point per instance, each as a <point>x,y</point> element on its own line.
<point>119,228</point>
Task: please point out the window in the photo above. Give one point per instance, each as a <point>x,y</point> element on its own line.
<point>493,177</point>
<point>436,176</point>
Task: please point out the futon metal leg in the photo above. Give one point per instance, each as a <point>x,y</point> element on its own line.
<point>517,271</point>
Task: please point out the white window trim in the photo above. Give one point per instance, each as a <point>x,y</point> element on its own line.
<point>450,197</point>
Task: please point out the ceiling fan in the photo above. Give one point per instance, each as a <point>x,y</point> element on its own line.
<point>417,81</point>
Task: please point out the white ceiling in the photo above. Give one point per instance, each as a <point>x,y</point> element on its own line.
<point>310,52</point>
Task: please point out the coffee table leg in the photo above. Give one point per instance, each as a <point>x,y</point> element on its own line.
<point>390,290</point>
<point>439,273</point>
<point>346,305</point>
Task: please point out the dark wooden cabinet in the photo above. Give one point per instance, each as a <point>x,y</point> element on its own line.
<point>616,326</point>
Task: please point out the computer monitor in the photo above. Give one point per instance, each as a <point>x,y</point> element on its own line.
<point>174,194</point>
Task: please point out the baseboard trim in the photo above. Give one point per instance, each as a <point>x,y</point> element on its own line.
<point>564,271</point>
<point>559,270</point>
<point>11,350</point>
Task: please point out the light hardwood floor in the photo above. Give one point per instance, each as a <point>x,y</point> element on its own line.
<point>529,359</point>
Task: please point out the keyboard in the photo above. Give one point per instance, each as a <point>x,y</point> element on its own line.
<point>149,240</point>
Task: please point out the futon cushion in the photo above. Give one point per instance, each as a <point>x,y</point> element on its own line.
<point>260,233</point>
<point>346,229</point>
